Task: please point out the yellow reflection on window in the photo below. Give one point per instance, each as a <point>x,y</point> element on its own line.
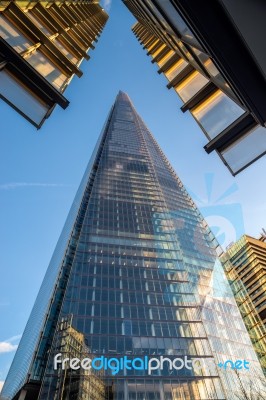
<point>166,58</point>
<point>175,69</point>
<point>158,51</point>
<point>191,85</point>
<point>210,101</point>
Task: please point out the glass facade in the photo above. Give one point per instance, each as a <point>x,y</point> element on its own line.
<point>42,46</point>
<point>249,147</point>
<point>175,69</point>
<point>23,100</point>
<point>17,375</point>
<point>244,264</point>
<point>191,85</point>
<point>216,113</point>
<point>140,278</point>
<point>180,46</point>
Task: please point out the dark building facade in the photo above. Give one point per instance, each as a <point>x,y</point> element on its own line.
<point>42,44</point>
<point>212,54</point>
<point>245,266</point>
<point>136,272</point>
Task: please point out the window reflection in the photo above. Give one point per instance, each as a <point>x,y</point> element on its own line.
<point>165,58</point>
<point>47,69</point>
<point>175,69</point>
<point>178,21</point>
<point>217,113</point>
<point>153,43</point>
<point>40,25</point>
<point>155,53</point>
<point>246,149</point>
<point>13,36</point>
<point>184,50</point>
<point>64,50</point>
<point>191,85</point>
<point>22,99</point>
<point>213,71</point>
<point>208,64</point>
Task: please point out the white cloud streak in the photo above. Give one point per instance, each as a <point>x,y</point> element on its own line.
<point>107,4</point>
<point>1,385</point>
<point>8,345</point>
<point>17,185</point>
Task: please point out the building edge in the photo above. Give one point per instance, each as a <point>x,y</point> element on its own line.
<point>35,325</point>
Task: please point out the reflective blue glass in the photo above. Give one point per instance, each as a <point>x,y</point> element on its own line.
<point>137,277</point>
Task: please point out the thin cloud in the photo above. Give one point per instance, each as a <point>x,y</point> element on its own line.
<point>1,385</point>
<point>17,185</point>
<point>8,346</point>
<point>14,338</point>
<point>107,4</point>
<point>4,303</point>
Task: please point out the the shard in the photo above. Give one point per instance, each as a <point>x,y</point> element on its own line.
<point>134,277</point>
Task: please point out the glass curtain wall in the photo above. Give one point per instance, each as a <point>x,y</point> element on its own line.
<point>145,280</point>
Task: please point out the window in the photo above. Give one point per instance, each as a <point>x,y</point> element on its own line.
<point>43,28</point>
<point>64,50</point>
<point>47,69</point>
<point>154,54</point>
<point>191,85</point>
<point>172,72</point>
<point>13,36</point>
<point>177,21</point>
<point>246,149</point>
<point>165,58</point>
<point>14,91</point>
<point>216,113</point>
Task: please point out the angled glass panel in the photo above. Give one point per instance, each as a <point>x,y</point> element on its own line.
<point>191,85</point>
<point>47,69</point>
<point>177,21</point>
<point>165,58</point>
<point>172,72</point>
<point>216,113</point>
<point>13,36</point>
<point>245,150</point>
<point>26,102</point>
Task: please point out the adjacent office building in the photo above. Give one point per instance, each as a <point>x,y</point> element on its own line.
<point>42,44</point>
<point>245,266</point>
<point>136,272</point>
<point>212,53</point>
<point>71,384</point>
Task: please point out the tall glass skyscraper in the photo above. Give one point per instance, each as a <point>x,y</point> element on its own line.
<point>134,276</point>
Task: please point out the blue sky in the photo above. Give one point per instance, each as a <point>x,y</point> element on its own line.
<point>41,170</point>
